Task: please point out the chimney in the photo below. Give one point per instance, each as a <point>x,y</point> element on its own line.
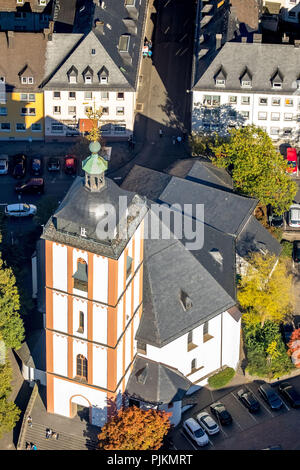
<point>285,39</point>
<point>99,26</point>
<point>244,39</point>
<point>297,43</point>
<point>218,40</point>
<point>10,39</point>
<point>257,38</point>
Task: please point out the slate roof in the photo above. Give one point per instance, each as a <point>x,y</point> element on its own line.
<point>163,384</point>
<point>262,60</point>
<point>82,208</point>
<point>254,237</point>
<point>33,351</point>
<point>16,58</point>
<point>169,268</point>
<point>122,67</point>
<point>146,182</point>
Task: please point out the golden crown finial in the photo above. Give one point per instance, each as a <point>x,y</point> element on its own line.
<point>94,115</point>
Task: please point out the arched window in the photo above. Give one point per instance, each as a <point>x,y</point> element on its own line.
<point>81,323</point>
<point>81,275</point>
<point>81,367</point>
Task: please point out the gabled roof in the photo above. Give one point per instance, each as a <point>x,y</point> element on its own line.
<point>220,74</point>
<point>262,59</point>
<point>277,77</point>
<point>163,384</point>
<point>80,57</point>
<point>33,351</point>
<point>254,237</point>
<point>246,75</point>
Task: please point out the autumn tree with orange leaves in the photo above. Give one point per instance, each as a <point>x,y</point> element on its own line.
<point>135,429</point>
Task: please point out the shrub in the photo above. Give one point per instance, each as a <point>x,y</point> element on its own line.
<point>221,378</point>
<point>287,249</point>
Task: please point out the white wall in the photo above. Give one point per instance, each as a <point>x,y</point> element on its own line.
<point>60,354</point>
<point>99,366</point>
<point>79,305</point>
<point>231,340</point>
<point>60,312</point>
<point>100,323</point>
<point>60,265</point>
<point>175,410</point>
<point>253,109</point>
<point>81,103</point>
<point>100,287</point>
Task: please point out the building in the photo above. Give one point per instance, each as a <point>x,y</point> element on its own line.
<point>132,316</point>
<point>21,74</point>
<point>96,67</point>
<point>250,83</point>
<point>288,10</point>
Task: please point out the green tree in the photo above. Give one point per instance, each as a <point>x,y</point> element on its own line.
<point>5,380</point>
<point>11,324</point>
<point>9,415</point>
<point>133,428</point>
<point>257,169</point>
<point>264,291</point>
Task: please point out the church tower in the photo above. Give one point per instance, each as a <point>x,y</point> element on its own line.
<point>94,292</point>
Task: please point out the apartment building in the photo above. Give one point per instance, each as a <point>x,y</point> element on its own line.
<point>21,74</point>
<point>250,83</point>
<point>289,10</point>
<point>95,70</point>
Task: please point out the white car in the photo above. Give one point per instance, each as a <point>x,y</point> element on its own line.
<point>3,164</point>
<point>20,210</point>
<point>195,431</point>
<point>294,216</point>
<point>207,423</point>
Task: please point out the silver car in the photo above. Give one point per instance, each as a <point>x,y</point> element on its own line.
<point>208,423</point>
<point>20,210</point>
<point>3,164</point>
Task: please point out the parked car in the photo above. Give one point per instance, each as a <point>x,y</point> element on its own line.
<point>19,165</point>
<point>3,164</point>
<point>294,216</point>
<point>33,186</point>
<point>36,166</point>
<point>289,392</point>
<point>248,399</point>
<point>20,210</point>
<point>270,396</point>
<point>70,165</point>
<point>195,431</point>
<point>291,157</point>
<point>219,410</point>
<point>296,251</point>
<point>207,423</point>
<point>275,220</point>
<point>53,164</point>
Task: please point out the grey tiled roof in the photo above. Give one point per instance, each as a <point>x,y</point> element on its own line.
<point>170,268</point>
<point>262,61</point>
<point>162,384</point>
<point>254,237</point>
<point>33,351</point>
<point>83,209</point>
<point>146,182</point>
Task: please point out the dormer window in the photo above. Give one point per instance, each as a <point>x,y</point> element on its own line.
<point>103,76</point>
<point>185,300</point>
<point>88,75</point>
<point>72,75</point>
<point>124,43</point>
<point>277,79</point>
<point>220,78</point>
<point>246,79</point>
<point>27,80</point>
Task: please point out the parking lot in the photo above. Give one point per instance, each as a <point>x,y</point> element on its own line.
<point>247,431</point>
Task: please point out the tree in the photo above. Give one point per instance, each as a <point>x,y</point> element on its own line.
<point>257,169</point>
<point>9,415</point>
<point>264,292</point>
<point>11,324</point>
<point>135,429</point>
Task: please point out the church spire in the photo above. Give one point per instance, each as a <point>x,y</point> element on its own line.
<point>94,167</point>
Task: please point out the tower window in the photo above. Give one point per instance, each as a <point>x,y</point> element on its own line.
<point>81,323</point>
<point>193,365</point>
<point>128,267</point>
<point>206,335</point>
<point>81,367</point>
<point>81,276</point>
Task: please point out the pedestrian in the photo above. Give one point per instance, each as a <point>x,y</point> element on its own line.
<point>33,447</point>
<point>55,435</point>
<point>160,133</point>
<point>173,139</point>
<point>150,54</point>
<point>28,446</point>
<point>184,135</point>
<point>29,421</point>
<point>150,44</point>
<point>48,433</point>
<point>178,139</point>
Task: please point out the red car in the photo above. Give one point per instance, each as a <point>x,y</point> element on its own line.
<point>70,165</point>
<point>291,157</point>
